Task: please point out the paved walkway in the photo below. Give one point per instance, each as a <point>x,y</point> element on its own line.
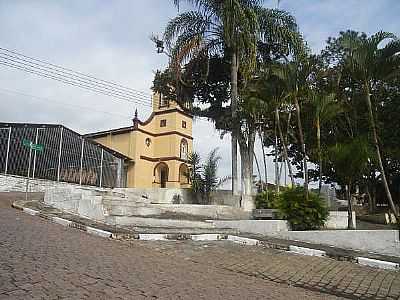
<point>341,278</point>
<point>42,260</point>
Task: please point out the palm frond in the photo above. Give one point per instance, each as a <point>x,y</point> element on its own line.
<point>279,27</point>
<point>187,23</point>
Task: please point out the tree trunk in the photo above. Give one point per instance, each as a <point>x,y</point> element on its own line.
<point>378,152</point>
<point>258,167</point>
<point>264,160</point>
<point>319,154</point>
<point>370,201</point>
<point>277,183</point>
<point>284,144</point>
<point>234,140</point>
<point>246,154</point>
<point>303,147</point>
<point>349,208</point>
<point>265,164</point>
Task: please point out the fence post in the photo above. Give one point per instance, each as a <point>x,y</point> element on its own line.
<point>29,170</point>
<point>81,166</point>
<point>59,154</point>
<point>118,182</point>
<point>101,167</point>
<point>8,150</point>
<point>34,156</point>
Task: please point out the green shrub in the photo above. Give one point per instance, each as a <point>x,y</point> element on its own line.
<point>302,214</point>
<point>267,199</point>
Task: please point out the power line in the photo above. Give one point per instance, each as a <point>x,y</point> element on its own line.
<point>77,84</point>
<point>41,67</point>
<point>55,102</point>
<point>41,73</point>
<point>70,77</point>
<point>75,72</point>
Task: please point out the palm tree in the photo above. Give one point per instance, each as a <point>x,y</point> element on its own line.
<point>194,174</point>
<point>368,62</point>
<point>350,160</point>
<point>296,75</point>
<point>229,28</point>
<point>325,108</point>
<point>274,94</point>
<point>203,177</point>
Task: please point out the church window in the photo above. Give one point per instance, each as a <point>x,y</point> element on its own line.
<point>148,142</point>
<point>183,124</point>
<point>163,101</point>
<point>184,149</point>
<point>163,123</point>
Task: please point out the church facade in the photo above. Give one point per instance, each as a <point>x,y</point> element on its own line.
<point>158,148</point>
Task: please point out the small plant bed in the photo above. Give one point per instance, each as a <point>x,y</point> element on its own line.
<point>292,205</point>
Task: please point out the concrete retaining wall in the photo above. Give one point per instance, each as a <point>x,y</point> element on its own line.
<point>85,202</point>
<point>199,211</point>
<point>98,204</point>
<point>12,183</point>
<point>254,226</point>
<point>338,220</point>
<point>158,195</point>
<point>378,241</point>
<point>179,196</point>
<point>225,197</point>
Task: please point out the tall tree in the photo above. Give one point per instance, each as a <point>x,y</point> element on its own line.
<point>325,108</point>
<point>369,63</point>
<point>296,76</point>
<point>350,160</point>
<point>230,28</point>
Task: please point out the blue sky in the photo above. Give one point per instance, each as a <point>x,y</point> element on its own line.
<point>110,39</point>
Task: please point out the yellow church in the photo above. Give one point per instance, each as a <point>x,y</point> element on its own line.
<point>158,147</point>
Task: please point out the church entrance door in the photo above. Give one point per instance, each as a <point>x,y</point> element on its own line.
<point>163,177</point>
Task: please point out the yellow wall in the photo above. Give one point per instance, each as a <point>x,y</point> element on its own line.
<point>163,148</point>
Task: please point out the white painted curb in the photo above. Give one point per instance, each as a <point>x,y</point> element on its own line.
<point>61,221</point>
<point>378,263</point>
<point>207,237</point>
<point>98,232</point>
<point>306,251</point>
<point>243,241</point>
<point>30,211</point>
<point>152,237</point>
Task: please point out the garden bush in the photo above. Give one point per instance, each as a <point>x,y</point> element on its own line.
<point>267,199</point>
<point>302,214</point>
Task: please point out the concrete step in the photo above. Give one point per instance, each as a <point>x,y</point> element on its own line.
<point>134,209</point>
<point>155,222</point>
<point>180,231</point>
<point>173,211</point>
<point>125,201</point>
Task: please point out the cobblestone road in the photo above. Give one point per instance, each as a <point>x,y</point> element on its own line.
<point>344,279</point>
<point>41,260</point>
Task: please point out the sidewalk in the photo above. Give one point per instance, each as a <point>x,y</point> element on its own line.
<point>152,233</point>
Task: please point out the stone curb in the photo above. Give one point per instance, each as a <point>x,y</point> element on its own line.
<point>381,264</point>
<point>306,251</point>
<point>364,261</point>
<point>67,223</point>
<point>243,240</point>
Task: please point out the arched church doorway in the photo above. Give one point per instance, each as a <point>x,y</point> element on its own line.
<point>161,174</point>
<point>183,175</point>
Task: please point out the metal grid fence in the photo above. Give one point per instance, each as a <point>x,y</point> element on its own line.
<point>66,156</point>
